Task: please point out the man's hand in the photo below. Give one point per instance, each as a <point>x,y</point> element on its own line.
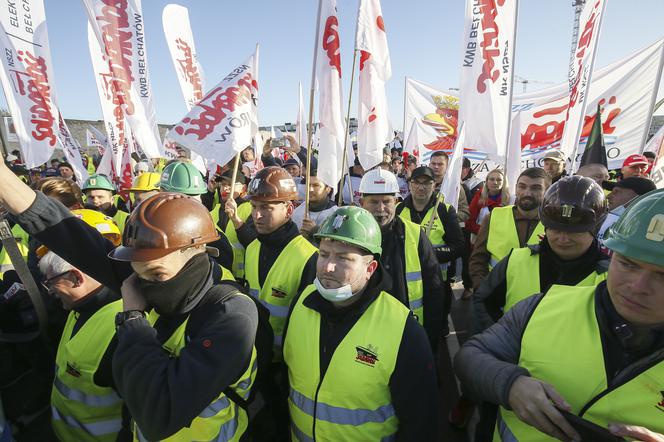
<point>638,433</point>
<point>131,296</point>
<point>308,228</point>
<point>231,210</point>
<point>535,402</point>
<point>294,145</point>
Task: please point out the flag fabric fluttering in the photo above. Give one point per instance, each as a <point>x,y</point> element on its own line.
<point>332,129</point>
<point>373,130</point>
<point>225,120</point>
<point>301,134</point>
<point>487,70</point>
<point>28,81</point>
<point>119,30</point>
<point>580,75</point>
<point>595,151</point>
<point>451,185</point>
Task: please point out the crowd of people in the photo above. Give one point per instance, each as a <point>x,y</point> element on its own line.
<point>221,307</point>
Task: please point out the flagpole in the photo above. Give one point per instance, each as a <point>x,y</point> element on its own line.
<point>509,115</point>
<point>344,158</point>
<point>311,110</point>
<point>236,166</point>
<point>651,109</point>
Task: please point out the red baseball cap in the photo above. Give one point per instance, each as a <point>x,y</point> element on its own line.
<point>635,160</point>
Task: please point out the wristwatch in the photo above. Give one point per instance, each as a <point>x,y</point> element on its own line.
<point>122,317</point>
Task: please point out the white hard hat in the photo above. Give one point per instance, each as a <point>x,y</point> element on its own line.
<point>379,182</point>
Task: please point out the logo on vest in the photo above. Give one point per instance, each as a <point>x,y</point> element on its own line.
<point>72,371</point>
<point>278,293</point>
<point>367,356</point>
<point>660,405</point>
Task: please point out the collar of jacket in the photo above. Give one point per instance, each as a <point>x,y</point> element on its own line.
<point>591,258</point>
<point>280,237</point>
<point>379,281</point>
<point>95,300</point>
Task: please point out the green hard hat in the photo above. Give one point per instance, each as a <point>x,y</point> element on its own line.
<point>353,225</point>
<point>98,181</point>
<point>639,232</point>
<point>182,177</point>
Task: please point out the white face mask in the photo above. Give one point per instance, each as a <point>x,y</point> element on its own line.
<point>334,295</point>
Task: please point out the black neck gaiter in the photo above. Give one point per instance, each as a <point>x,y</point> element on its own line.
<point>177,295</point>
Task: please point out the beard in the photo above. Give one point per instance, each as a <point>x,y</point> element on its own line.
<point>527,203</point>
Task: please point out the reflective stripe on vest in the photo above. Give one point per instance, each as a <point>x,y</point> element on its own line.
<point>352,401</point>
<point>222,420</point>
<point>562,346</point>
<point>503,235</point>
<point>97,429</point>
<point>522,277</point>
<point>244,212</point>
<point>281,283</point>
<point>81,409</point>
<point>414,285</point>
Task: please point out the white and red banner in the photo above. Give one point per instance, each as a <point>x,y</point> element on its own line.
<point>91,140</point>
<point>332,129</point>
<point>373,130</point>
<point>119,30</point>
<point>118,133</point>
<point>28,81</point>
<point>580,75</point>
<point>653,144</point>
<point>225,120</point>
<point>451,185</point>
<point>622,89</point>
<point>487,69</point>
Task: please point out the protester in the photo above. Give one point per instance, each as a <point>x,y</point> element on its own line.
<point>554,165</point>
<point>438,164</point>
<point>651,157</point>
<point>144,186</point>
<point>101,195</point>
<point>355,379</point>
<point>494,193</point>
<point>161,264</point>
<point>442,228</point>
<point>352,181</point>
<point>595,171</point>
<point>510,227</point>
<point>634,166</point>
<point>320,207</point>
<point>66,171</point>
<point>471,183</point>
<point>407,255</point>
<point>560,351</point>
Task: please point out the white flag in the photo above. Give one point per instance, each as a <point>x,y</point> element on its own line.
<point>487,68</point>
<point>513,163</point>
<point>119,30</point>
<point>118,133</point>
<point>180,39</point>
<point>581,75</point>
<point>655,142</point>
<point>224,121</point>
<point>412,144</point>
<point>28,81</point>
<point>301,134</point>
<point>373,130</point>
<point>332,130</point>
<point>451,185</point>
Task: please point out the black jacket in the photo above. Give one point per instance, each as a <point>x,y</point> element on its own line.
<point>393,260</point>
<point>453,236</point>
<point>413,382</point>
<point>163,394</point>
<point>490,297</point>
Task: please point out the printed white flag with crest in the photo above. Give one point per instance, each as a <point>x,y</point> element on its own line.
<point>118,133</point>
<point>580,74</point>
<point>28,81</point>
<point>301,134</point>
<point>225,120</point>
<point>373,130</point>
<point>451,185</point>
<point>332,129</point>
<point>119,29</point>
<point>180,39</point>
<point>487,69</point>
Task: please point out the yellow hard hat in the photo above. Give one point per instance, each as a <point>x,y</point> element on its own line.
<point>146,182</point>
<point>104,225</point>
